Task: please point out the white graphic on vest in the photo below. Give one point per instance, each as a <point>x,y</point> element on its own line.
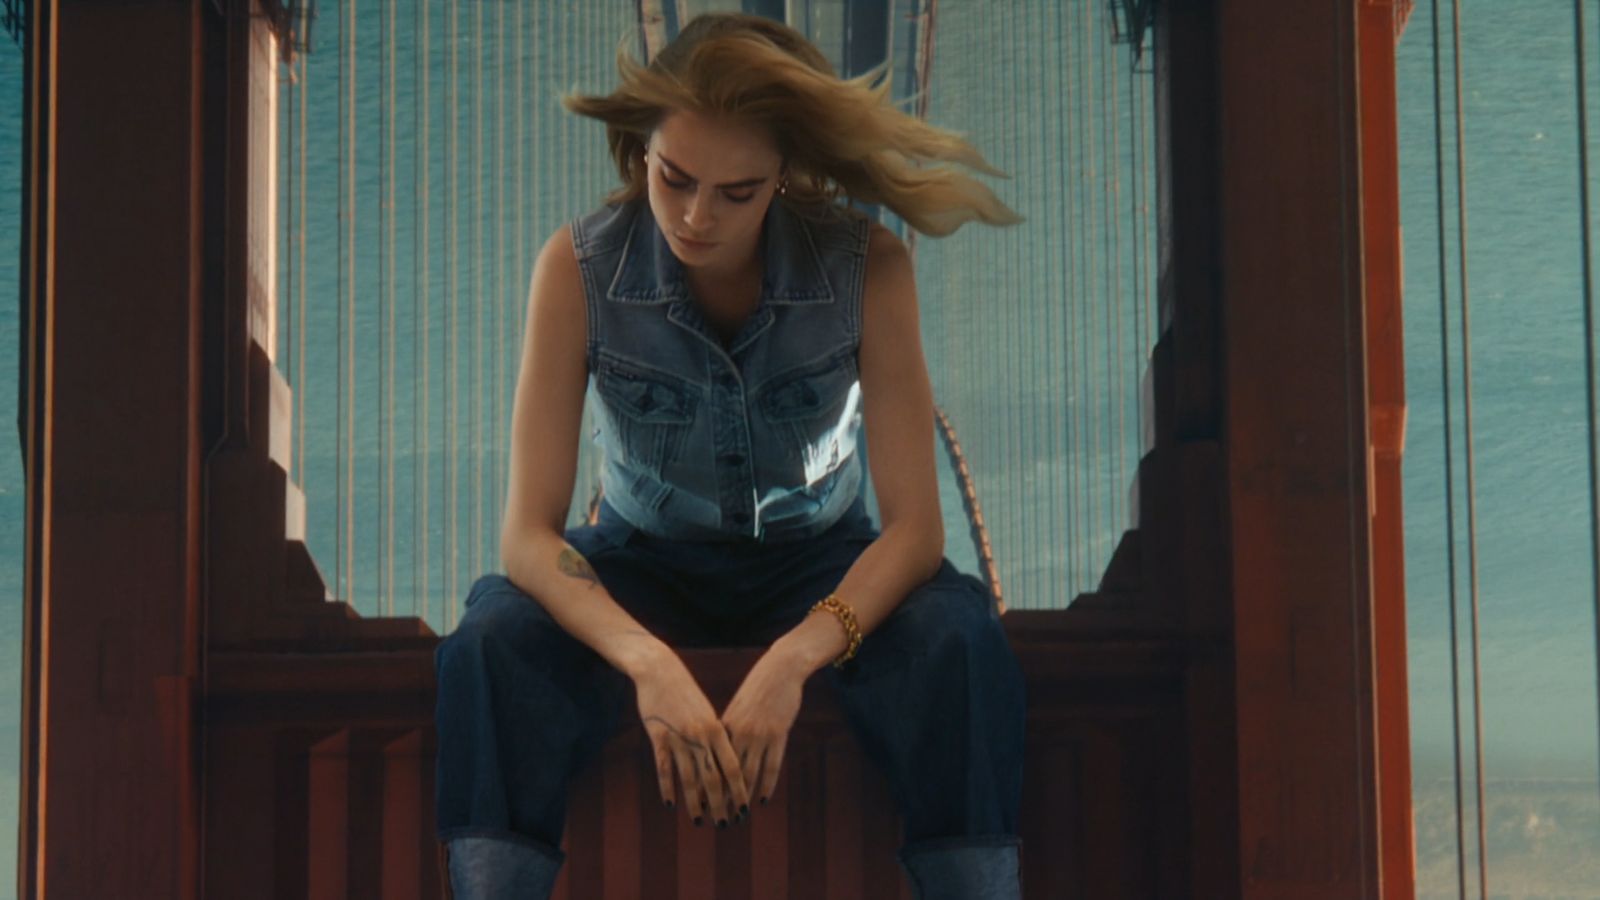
<point>832,449</point>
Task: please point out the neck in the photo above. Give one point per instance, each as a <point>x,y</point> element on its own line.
<point>715,276</point>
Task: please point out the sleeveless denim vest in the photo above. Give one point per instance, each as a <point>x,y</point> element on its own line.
<point>755,440</point>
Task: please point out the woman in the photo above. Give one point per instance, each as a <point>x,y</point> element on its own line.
<point>738,326</point>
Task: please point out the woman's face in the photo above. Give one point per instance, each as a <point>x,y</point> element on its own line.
<point>710,181</point>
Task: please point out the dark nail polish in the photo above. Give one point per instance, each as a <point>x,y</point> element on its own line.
<point>668,803</point>
<point>744,810</point>
<point>764,800</point>
<point>697,821</point>
<point>721,824</point>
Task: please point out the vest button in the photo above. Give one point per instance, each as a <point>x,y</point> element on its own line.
<point>741,518</point>
<point>733,459</point>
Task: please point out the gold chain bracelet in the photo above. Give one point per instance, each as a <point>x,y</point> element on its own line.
<point>847,617</point>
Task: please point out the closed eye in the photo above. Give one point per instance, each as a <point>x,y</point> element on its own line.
<point>687,185</point>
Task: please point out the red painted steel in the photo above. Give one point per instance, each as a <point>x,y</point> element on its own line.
<point>111,624</point>
<point>1296,448</point>
<point>324,775</point>
<point>1381,22</point>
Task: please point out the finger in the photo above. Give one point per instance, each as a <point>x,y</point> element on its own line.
<point>771,768</point>
<point>664,771</point>
<point>711,780</point>
<point>750,764</point>
<point>684,757</point>
<point>733,773</point>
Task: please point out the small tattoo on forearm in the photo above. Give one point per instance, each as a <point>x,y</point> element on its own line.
<point>572,563</point>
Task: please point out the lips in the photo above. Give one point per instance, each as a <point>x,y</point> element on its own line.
<point>694,243</point>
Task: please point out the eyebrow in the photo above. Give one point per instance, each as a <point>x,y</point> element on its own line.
<point>748,182</point>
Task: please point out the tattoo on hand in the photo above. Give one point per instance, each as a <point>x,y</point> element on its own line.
<point>688,741</point>
<point>571,562</point>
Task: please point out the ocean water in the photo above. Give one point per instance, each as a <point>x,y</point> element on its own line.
<point>1536,600</point>
<point>1535,591</point>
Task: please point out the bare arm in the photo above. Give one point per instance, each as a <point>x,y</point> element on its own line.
<point>898,408</point>
<point>545,421</point>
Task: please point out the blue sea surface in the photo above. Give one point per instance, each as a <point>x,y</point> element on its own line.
<point>1530,507</point>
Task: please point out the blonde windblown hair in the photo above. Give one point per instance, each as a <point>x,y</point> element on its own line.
<point>836,136</point>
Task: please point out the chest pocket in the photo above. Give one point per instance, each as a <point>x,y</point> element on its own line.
<point>813,411</point>
<point>649,411</point>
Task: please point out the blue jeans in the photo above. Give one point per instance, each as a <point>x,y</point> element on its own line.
<point>934,696</point>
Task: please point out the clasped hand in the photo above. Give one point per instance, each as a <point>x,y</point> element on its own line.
<point>723,762</point>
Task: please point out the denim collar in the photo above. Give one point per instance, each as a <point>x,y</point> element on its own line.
<point>793,270</point>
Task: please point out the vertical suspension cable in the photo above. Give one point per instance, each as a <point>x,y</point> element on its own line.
<point>1020,330</point>
<point>1089,169</point>
<point>350,322</point>
<point>1449,455</point>
<point>1069,238</point>
<point>1050,110</point>
<point>477,292</point>
<point>1042,538</point>
<point>453,449</point>
<point>424,428</point>
<point>1047,532</point>
<point>1072,224</point>
<point>1150,266</point>
<point>1003,287</point>
<point>1588,330</point>
<point>1119,491</point>
<point>1104,434</point>
<point>338,540</point>
<point>1102,306</point>
<point>1466,410</point>
<point>543,135</point>
<point>344,216</point>
<point>1152,231</point>
<point>561,26</point>
<point>394,223</point>
<point>382,287</point>
<point>994,124</point>
<point>497,498</point>
<point>417,250</point>
<point>384,281</point>
<point>1149,224</point>
<point>970,281</point>
<point>1107,375</point>
<point>1085,465</point>
<point>301,388</point>
<point>520,235</point>
<point>1141,346</point>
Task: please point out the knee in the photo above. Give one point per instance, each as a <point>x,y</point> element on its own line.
<point>953,626</point>
<point>498,614</point>
<point>952,614</point>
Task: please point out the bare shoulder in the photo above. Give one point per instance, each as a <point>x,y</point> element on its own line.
<point>557,283</point>
<point>557,312</point>
<point>884,246</point>
<point>890,282</point>
<point>557,259</point>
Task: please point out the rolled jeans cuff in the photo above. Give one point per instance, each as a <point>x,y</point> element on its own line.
<point>976,867</point>
<point>488,864</point>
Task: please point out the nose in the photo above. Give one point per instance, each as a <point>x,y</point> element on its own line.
<point>698,213</point>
